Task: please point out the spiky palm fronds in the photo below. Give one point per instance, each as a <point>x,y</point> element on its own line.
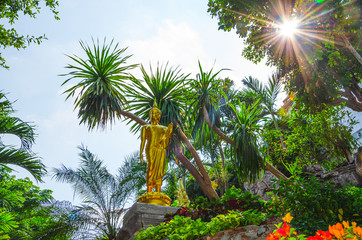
<point>15,126</point>
<point>132,173</point>
<point>102,193</point>
<point>66,222</point>
<point>247,158</point>
<point>100,90</point>
<point>10,155</point>
<point>267,94</point>
<point>204,92</point>
<point>167,86</point>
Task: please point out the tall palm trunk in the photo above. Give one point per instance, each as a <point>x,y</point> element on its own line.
<point>224,137</point>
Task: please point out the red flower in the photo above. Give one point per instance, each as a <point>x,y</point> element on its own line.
<point>271,236</point>
<point>286,228</point>
<point>281,231</point>
<point>325,235</point>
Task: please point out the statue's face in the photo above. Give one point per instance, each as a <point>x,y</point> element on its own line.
<point>155,116</point>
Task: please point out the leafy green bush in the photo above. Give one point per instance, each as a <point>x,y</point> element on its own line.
<point>185,228</point>
<point>315,205</point>
<point>233,199</point>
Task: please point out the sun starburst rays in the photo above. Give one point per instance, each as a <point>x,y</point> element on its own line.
<point>290,31</point>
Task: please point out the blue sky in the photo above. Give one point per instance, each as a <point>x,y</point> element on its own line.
<point>180,32</point>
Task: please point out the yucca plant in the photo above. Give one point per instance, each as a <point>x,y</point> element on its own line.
<point>266,93</point>
<point>100,100</point>
<point>167,86</point>
<point>247,158</point>
<point>204,100</point>
<point>99,95</point>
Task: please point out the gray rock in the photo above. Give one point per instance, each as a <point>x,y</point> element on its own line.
<point>225,237</point>
<point>238,237</point>
<point>263,186</point>
<point>344,175</point>
<point>141,216</point>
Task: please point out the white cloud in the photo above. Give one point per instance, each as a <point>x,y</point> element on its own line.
<point>176,43</point>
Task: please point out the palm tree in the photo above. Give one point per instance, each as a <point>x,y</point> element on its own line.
<point>99,94</point>
<point>267,95</point>
<point>103,194</point>
<point>247,158</point>
<point>102,95</point>
<point>133,173</point>
<point>206,85</point>
<point>10,155</point>
<point>168,87</point>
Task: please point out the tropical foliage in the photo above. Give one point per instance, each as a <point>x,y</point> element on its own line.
<point>9,13</point>
<point>26,212</point>
<point>311,138</point>
<point>101,83</point>
<point>11,155</point>
<point>188,229</point>
<point>321,62</point>
<point>315,204</point>
<point>103,194</point>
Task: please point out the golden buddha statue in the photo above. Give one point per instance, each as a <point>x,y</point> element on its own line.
<point>157,138</point>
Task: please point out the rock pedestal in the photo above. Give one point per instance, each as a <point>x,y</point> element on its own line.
<point>141,216</point>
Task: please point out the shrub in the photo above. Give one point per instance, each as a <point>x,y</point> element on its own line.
<point>315,204</point>
<point>233,199</point>
<point>185,228</point>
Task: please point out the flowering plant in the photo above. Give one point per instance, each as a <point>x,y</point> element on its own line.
<point>339,231</point>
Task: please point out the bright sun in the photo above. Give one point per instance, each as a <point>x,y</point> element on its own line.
<point>288,28</point>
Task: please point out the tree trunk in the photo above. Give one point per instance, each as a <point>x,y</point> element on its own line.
<point>202,180</point>
<point>268,166</point>
<point>133,117</point>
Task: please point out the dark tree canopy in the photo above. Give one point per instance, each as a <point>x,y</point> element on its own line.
<point>10,10</point>
<point>321,62</point>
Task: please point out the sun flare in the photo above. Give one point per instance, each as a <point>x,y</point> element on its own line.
<point>288,28</point>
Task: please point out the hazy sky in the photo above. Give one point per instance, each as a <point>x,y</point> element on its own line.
<point>180,32</point>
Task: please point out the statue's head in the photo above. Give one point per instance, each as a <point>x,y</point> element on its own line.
<point>155,114</point>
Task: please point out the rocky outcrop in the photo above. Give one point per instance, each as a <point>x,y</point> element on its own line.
<point>141,216</point>
<point>263,186</point>
<point>250,232</point>
<point>341,176</point>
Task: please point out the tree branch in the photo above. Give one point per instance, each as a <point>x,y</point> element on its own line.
<point>133,117</point>
<point>191,148</point>
<point>351,48</point>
